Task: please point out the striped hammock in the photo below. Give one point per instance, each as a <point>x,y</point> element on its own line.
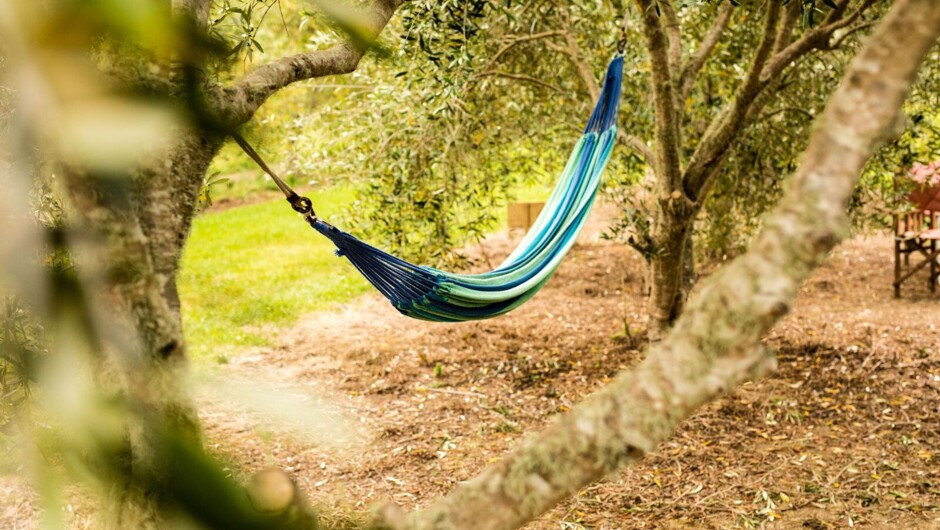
<point>430,294</point>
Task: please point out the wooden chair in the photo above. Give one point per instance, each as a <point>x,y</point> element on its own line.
<point>918,232</point>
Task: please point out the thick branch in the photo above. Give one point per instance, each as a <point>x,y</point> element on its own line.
<point>674,31</point>
<point>715,345</point>
<point>664,100</point>
<point>584,69</point>
<point>709,42</point>
<point>239,102</point>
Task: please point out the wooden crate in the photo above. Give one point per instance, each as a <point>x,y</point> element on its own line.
<point>523,214</point>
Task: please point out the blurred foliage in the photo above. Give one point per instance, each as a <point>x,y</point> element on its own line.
<point>21,347</point>
<point>22,341</point>
<point>63,117</point>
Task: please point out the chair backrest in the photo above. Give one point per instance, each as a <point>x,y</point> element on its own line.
<point>924,215</point>
<point>926,198</point>
<point>909,224</point>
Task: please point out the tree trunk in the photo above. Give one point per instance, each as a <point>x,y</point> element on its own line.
<point>168,196</point>
<point>139,224</point>
<point>689,273</point>
<point>671,267</point>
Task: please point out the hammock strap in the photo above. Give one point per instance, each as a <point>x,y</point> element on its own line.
<point>299,203</point>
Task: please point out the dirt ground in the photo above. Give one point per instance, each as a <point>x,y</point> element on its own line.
<point>845,434</point>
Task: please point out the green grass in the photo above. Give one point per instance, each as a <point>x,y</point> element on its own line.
<point>249,270</point>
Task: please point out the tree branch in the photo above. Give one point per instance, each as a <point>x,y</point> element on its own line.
<point>584,69</point>
<point>522,77</point>
<point>521,40</point>
<point>674,32</point>
<point>794,110</point>
<point>239,102</point>
<point>813,39</point>
<point>848,33</point>
<point>638,145</point>
<point>709,42</point>
<point>664,101</point>
<point>715,345</point>
<point>785,32</point>
<point>727,125</point>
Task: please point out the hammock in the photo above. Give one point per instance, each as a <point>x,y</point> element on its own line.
<point>430,294</point>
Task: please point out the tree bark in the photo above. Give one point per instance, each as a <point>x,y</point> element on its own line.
<point>668,266</point>
<point>715,344</point>
<point>168,194</point>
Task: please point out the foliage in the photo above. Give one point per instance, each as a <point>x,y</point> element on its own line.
<point>458,136</point>
<point>94,410</point>
<point>213,181</point>
<point>769,153</point>
<point>883,188</point>
<point>752,174</point>
<point>21,347</point>
<point>481,96</point>
<point>238,23</point>
<point>766,155</point>
<point>22,342</point>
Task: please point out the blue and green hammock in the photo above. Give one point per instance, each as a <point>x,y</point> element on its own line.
<point>430,294</point>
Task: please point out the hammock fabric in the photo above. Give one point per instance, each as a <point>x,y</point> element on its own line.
<point>431,294</point>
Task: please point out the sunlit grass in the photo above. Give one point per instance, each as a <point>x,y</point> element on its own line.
<point>249,270</point>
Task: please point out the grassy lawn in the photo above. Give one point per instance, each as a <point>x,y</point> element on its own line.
<point>249,270</point>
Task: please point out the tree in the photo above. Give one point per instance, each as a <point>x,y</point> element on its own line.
<point>714,96</point>
<point>713,346</point>
<point>131,147</point>
<point>683,181</point>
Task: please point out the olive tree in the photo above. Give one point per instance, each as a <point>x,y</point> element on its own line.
<point>718,96</point>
